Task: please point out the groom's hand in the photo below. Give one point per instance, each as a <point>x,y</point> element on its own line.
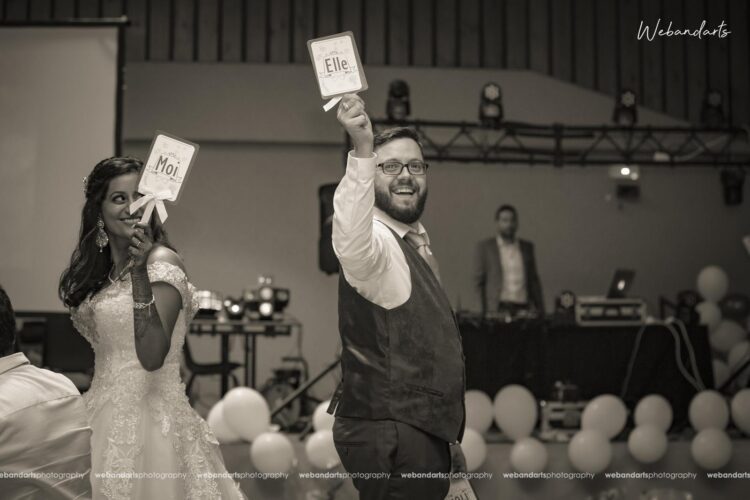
<point>352,116</point>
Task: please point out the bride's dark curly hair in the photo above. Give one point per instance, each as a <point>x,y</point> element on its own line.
<point>89,267</point>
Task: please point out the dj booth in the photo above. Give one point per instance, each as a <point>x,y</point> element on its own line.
<point>538,353</point>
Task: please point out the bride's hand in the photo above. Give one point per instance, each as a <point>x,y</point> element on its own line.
<point>141,244</point>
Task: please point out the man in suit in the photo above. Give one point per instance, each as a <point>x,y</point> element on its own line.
<point>505,274</point>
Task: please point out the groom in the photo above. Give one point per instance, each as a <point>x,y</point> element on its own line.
<point>400,408</point>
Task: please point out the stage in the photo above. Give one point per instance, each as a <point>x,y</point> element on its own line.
<point>677,461</point>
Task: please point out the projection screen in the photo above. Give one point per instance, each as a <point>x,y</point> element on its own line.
<point>58,118</point>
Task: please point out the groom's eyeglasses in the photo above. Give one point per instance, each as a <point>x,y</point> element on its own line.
<point>396,167</point>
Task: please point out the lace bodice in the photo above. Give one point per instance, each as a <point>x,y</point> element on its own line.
<point>106,321</point>
<point>139,398</point>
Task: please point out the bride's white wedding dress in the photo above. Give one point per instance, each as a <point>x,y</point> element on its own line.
<point>147,442</point>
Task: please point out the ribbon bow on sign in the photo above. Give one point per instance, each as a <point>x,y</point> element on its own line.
<point>152,200</point>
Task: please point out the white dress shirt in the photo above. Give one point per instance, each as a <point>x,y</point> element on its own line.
<point>371,259</point>
<point>44,431</point>
<point>514,278</point>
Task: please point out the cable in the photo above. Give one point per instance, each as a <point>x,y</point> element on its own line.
<point>697,384</point>
<point>678,358</point>
<point>691,352</point>
<point>631,363</point>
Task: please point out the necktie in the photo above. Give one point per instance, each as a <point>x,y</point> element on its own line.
<point>419,242</point>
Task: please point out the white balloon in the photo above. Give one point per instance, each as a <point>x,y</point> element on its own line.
<point>321,451</point>
<point>474,449</point>
<point>712,283</point>
<point>710,314</point>
<point>272,452</point>
<point>528,455</point>
<point>738,354</point>
<point>711,449</point>
<point>654,409</point>
<point>322,420</point>
<point>741,410</point>
<point>721,372</point>
<point>215,419</point>
<point>728,334</point>
<point>590,451</point>
<point>515,411</point>
<point>708,409</point>
<point>478,411</point>
<point>647,443</point>
<point>606,413</point>
<point>246,412</point>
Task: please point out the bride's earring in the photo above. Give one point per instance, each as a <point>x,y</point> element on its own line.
<point>102,240</point>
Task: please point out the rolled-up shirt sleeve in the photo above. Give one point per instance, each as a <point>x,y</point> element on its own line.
<point>359,249</point>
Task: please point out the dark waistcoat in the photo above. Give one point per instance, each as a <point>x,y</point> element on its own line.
<point>405,363</point>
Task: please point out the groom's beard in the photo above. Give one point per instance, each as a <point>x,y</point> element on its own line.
<point>384,200</point>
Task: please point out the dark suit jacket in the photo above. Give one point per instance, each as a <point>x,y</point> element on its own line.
<point>488,275</point>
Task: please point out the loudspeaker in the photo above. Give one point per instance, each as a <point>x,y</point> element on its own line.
<point>327,261</point>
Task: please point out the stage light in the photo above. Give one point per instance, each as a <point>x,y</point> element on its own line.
<point>491,105</point>
<point>265,293</point>
<point>265,309</point>
<point>626,178</point>
<point>732,180</point>
<point>235,308</point>
<point>712,110</point>
<point>210,303</point>
<point>266,302</point>
<point>398,107</point>
<point>626,109</point>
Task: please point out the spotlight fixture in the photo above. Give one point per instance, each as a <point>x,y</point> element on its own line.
<point>712,110</point>
<point>491,105</point>
<point>266,302</point>
<point>626,178</point>
<point>732,180</point>
<point>398,107</point>
<point>210,303</point>
<point>235,308</point>
<point>626,109</point>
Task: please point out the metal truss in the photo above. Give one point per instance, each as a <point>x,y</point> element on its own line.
<point>560,145</point>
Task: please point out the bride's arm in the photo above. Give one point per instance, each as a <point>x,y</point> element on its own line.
<point>155,308</point>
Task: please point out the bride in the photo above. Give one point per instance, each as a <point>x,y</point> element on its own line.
<point>147,441</point>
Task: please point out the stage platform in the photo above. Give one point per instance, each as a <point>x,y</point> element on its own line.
<point>677,460</point>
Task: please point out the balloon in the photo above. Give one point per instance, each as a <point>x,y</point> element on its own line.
<point>322,420</point>
<point>606,413</point>
<point>721,372</point>
<point>741,410</point>
<point>528,455</point>
<point>712,283</point>
<point>320,450</point>
<point>474,449</point>
<point>590,451</point>
<point>647,443</point>
<point>738,354</point>
<point>246,412</point>
<point>710,314</point>
<point>727,335</point>
<point>478,411</point>
<point>735,306</point>
<point>218,426</point>
<point>708,410</point>
<point>515,411</point>
<point>654,409</point>
<point>272,452</point>
<point>711,449</point>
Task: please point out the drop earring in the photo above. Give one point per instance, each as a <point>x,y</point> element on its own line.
<point>102,240</point>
